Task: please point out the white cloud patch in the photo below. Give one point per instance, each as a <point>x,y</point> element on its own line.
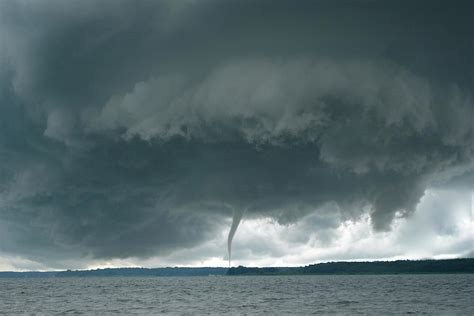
<point>441,227</point>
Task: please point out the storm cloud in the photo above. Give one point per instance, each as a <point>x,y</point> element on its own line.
<point>135,129</point>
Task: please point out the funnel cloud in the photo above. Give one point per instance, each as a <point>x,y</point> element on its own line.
<point>236,218</point>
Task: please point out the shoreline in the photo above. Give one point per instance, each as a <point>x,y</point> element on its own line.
<point>430,266</point>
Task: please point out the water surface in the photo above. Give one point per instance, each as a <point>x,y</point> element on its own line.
<point>373,294</point>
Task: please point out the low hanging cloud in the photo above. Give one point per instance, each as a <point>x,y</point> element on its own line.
<point>361,120</point>
<point>136,129</point>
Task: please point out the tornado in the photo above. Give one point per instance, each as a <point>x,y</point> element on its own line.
<point>237,216</point>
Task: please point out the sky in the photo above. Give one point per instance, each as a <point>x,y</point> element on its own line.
<point>140,133</point>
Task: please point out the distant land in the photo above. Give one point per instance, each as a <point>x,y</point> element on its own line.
<point>330,268</point>
<point>374,267</point>
<point>121,272</point>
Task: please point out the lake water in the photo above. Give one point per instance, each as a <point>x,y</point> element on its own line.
<point>377,294</point>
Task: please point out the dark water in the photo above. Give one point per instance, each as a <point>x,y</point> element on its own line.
<point>378,295</point>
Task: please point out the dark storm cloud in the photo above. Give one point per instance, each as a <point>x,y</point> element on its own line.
<point>135,128</point>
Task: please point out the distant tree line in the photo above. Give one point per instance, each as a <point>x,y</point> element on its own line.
<point>374,267</point>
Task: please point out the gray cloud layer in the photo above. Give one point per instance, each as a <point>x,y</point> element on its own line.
<point>134,128</point>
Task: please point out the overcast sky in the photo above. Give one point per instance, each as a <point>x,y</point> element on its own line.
<point>132,133</point>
